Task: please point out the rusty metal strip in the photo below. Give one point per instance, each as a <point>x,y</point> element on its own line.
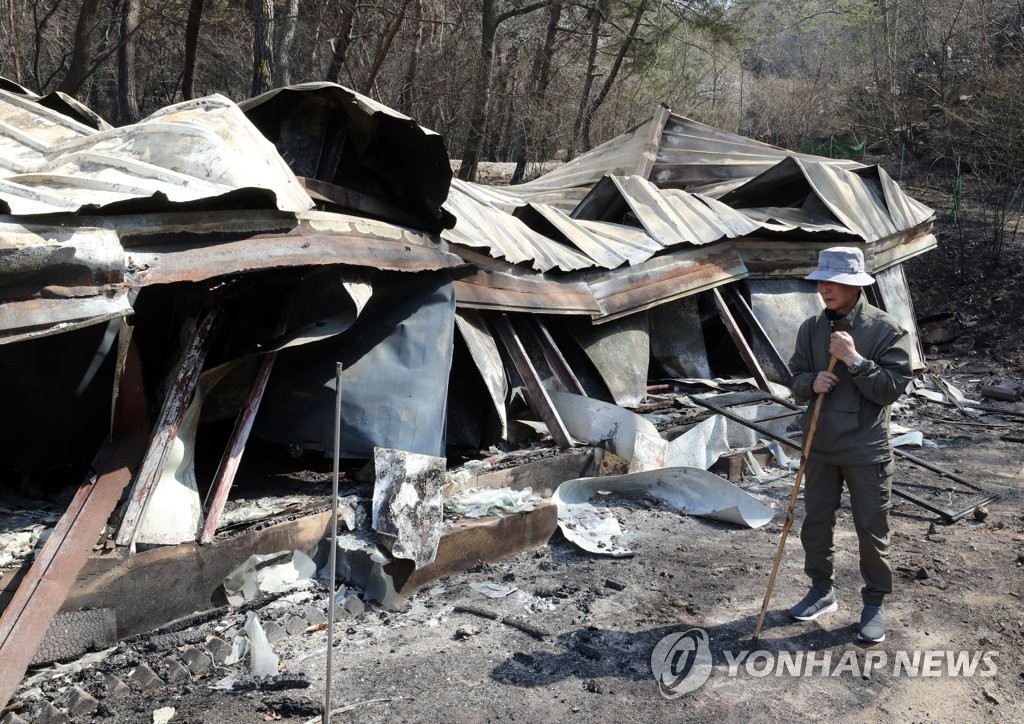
<point>232,457</point>
<point>183,381</point>
<point>741,344</point>
<point>542,404</point>
<point>46,586</point>
<point>752,322</point>
<point>556,360</point>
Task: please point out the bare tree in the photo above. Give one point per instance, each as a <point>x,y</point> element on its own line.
<point>78,70</point>
<point>188,76</point>
<point>540,77</point>
<point>407,95</point>
<point>13,29</point>
<point>346,19</point>
<point>490,20</point>
<point>262,47</point>
<point>127,95</point>
<point>384,46</point>
<point>285,40</point>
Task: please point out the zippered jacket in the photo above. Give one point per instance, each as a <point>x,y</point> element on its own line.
<point>853,427</point>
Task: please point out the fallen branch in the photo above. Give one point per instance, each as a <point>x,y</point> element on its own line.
<point>354,704</point>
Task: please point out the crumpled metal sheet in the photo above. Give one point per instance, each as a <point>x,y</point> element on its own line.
<point>859,200</point>
<point>397,358</point>
<point>690,490</point>
<point>198,149</point>
<point>618,430</point>
<point>490,501</point>
<point>480,225</point>
<point>781,306</point>
<point>333,134</point>
<point>677,339</point>
<point>620,351</point>
<point>268,573</point>
<point>408,497</point>
<point>487,358</point>
<point>895,293</point>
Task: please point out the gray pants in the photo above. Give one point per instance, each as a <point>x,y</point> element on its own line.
<point>870,497</point>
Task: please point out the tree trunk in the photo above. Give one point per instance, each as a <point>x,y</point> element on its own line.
<point>489,21</point>
<point>384,47</point>
<point>408,96</point>
<point>612,73</point>
<point>127,96</point>
<point>596,16</point>
<point>285,41</point>
<point>78,69</point>
<point>188,76</point>
<point>342,42</point>
<point>14,40</point>
<point>262,47</point>
<point>540,76</point>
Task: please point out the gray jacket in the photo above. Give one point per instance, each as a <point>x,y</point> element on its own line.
<point>853,428</point>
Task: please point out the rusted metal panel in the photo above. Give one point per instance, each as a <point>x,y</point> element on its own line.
<point>511,293</point>
<point>664,278</point>
<point>199,149</point>
<point>365,242</point>
<point>742,346</point>
<point>484,351</point>
<point>621,352</point>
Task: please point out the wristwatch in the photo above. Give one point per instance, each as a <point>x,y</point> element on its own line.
<point>857,367</point>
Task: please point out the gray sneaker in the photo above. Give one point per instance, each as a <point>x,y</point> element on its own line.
<point>872,624</point>
<point>814,604</point>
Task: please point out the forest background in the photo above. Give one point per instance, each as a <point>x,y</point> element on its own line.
<point>929,88</point>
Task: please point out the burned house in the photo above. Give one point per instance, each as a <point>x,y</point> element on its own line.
<point>180,287</point>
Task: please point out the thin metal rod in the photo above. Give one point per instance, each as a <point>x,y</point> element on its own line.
<point>332,564</point>
<point>792,504</point>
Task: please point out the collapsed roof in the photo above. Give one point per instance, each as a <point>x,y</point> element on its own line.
<point>216,261</point>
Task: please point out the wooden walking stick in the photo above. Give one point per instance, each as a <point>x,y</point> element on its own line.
<point>792,503</point>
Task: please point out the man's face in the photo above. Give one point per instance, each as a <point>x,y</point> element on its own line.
<point>840,298</point>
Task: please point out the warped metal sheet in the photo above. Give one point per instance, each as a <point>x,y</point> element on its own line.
<point>692,153</point>
<point>677,339</point>
<point>609,245</point>
<point>484,351</point>
<point>316,238</point>
<point>905,211</point>
<point>480,225</point>
<point>620,351</point>
<point>663,278</point>
<point>781,306</point>
<point>632,152</point>
<point>671,217</point>
<point>30,318</point>
<point>804,194</point>
<point>66,261</point>
<point>397,357</point>
<point>895,293</point>
<point>333,134</point>
<point>199,149</point>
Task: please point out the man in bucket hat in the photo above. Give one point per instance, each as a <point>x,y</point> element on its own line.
<point>851,442</point>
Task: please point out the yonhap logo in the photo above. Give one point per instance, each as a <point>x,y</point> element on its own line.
<point>681,662</point>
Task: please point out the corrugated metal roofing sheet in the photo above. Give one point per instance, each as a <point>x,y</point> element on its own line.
<point>201,149</point>
<point>482,226</point>
<point>797,191</point>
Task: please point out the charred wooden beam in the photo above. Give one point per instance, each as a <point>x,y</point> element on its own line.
<point>232,457</point>
<point>183,380</point>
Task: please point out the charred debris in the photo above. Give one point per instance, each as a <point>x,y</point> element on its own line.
<point>178,292</point>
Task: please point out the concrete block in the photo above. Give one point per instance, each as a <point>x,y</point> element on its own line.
<point>219,649</point>
<point>80,703</point>
<point>295,625</point>
<point>144,678</point>
<point>197,660</point>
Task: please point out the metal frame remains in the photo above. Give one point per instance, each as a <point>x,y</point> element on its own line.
<point>900,489</point>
